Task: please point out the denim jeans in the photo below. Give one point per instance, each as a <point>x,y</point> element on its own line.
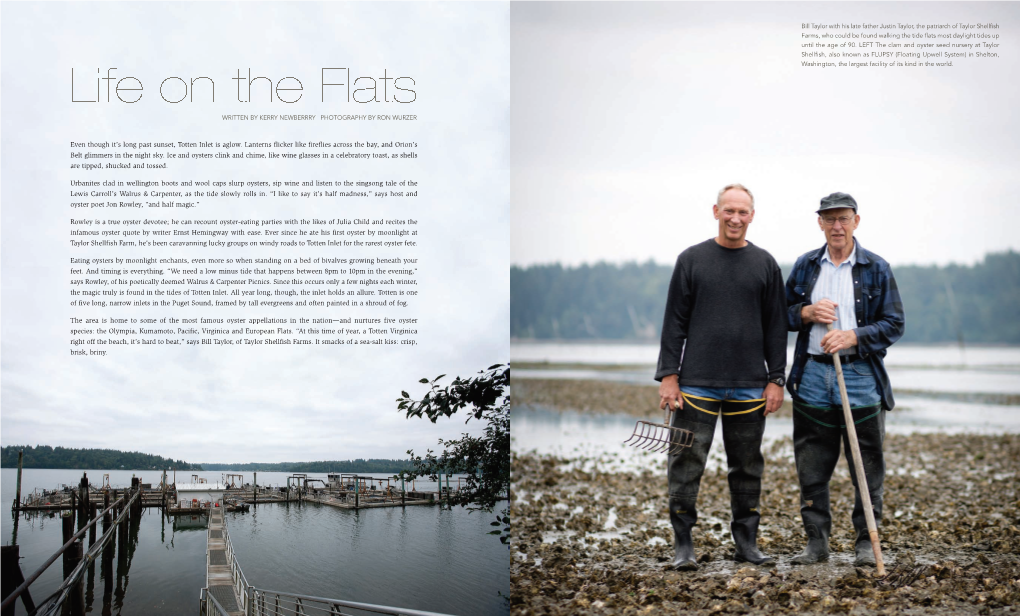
<point>819,386</point>
<point>725,393</point>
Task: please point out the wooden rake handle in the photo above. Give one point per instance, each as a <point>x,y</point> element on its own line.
<point>855,448</point>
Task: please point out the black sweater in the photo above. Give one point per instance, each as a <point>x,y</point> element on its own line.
<point>729,306</point>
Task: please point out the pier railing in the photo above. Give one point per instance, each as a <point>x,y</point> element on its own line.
<point>241,585</point>
<point>260,602</point>
<point>209,606</point>
<point>272,603</point>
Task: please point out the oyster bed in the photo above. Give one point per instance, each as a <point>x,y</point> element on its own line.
<point>590,538</point>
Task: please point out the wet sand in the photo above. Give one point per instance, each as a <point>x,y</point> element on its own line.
<point>591,539</point>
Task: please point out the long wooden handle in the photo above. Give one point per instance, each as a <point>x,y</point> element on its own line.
<point>862,481</point>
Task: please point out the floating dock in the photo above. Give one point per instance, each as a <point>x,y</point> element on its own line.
<point>218,577</point>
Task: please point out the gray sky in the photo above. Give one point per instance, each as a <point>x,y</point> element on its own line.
<point>626,120</point>
<point>252,403</point>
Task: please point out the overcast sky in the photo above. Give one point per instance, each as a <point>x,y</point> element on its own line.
<point>626,120</point>
<point>266,404</point>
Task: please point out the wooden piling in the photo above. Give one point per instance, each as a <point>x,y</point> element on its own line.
<point>11,577</point>
<point>122,529</point>
<point>67,522</point>
<point>83,497</point>
<point>93,514</point>
<point>76,599</point>
<point>17,497</point>
<point>107,518</point>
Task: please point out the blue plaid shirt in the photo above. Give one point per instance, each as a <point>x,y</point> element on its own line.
<point>877,307</point>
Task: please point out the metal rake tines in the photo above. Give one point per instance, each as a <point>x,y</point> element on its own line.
<point>660,438</point>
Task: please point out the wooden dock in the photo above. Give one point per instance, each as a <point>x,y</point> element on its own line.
<point>218,577</point>
<point>370,501</point>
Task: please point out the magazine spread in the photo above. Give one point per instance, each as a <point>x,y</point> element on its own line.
<point>265,267</point>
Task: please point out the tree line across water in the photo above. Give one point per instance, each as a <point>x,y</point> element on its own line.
<point>617,302</point>
<point>44,456</point>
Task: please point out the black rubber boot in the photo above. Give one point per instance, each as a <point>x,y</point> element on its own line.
<point>684,473</point>
<point>817,548</point>
<point>816,444</point>
<point>683,550</point>
<point>743,427</point>
<point>864,553</point>
<point>747,545</point>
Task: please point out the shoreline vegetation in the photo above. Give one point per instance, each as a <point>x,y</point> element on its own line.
<point>46,457</point>
<point>626,301</point>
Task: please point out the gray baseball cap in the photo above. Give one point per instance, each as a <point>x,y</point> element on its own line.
<point>837,200</point>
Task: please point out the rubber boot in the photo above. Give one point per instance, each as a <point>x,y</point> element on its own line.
<point>864,553</point>
<point>743,427</point>
<point>817,549</point>
<point>745,535</point>
<point>683,551</point>
<point>816,445</point>
<point>684,473</point>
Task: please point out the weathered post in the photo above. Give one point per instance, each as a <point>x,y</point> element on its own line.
<point>67,525</point>
<point>17,497</point>
<point>93,513</point>
<point>76,599</point>
<point>74,505</point>
<point>106,516</point>
<point>83,497</point>
<point>357,484</point>
<point>255,488</point>
<point>136,487</point>
<point>122,529</point>
<point>12,577</point>
<point>403,492</point>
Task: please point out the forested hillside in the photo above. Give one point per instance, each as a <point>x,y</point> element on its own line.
<point>99,459</point>
<point>324,466</point>
<point>626,301</point>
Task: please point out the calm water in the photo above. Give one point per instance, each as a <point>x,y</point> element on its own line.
<point>420,557</point>
<point>929,379</point>
<point>920,369</point>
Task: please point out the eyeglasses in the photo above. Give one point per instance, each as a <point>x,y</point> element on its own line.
<point>831,220</point>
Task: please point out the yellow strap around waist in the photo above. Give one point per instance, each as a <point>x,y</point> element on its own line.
<point>747,411</point>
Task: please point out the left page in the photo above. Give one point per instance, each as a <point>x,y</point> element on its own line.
<point>233,236</point>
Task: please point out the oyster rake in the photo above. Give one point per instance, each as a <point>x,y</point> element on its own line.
<point>661,438</point>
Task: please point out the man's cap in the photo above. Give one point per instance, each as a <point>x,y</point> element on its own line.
<point>837,200</point>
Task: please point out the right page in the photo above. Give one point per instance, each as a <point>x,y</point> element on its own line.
<point>654,148</point>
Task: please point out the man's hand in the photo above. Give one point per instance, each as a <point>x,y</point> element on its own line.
<point>669,392</point>
<point>839,339</point>
<point>822,312</point>
<point>773,398</point>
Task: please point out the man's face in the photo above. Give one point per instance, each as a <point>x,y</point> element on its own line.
<point>838,226</point>
<point>734,213</point>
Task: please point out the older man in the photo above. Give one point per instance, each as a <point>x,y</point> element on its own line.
<point>854,289</point>
<point>725,316</point>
